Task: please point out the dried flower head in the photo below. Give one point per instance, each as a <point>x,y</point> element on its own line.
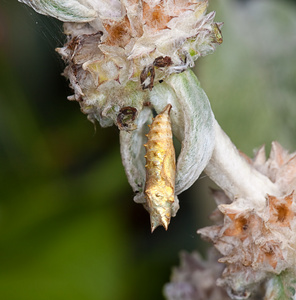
<point>131,46</point>
<point>195,278</point>
<point>258,241</point>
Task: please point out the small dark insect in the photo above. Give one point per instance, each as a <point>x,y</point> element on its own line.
<point>245,227</point>
<point>147,77</point>
<point>162,62</point>
<point>126,118</point>
<point>148,74</point>
<point>78,42</point>
<point>217,34</point>
<point>148,103</point>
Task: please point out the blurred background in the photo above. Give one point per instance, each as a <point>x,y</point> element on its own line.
<point>69,228</point>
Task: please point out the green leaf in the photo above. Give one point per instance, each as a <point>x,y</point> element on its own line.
<point>281,287</point>
<point>192,123</point>
<point>133,151</point>
<point>63,10</point>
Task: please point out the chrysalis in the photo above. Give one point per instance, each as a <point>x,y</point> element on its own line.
<point>160,170</point>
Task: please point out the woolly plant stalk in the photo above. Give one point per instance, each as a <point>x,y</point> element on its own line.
<point>130,60</point>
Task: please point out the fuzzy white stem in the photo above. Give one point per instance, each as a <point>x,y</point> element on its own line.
<point>231,172</point>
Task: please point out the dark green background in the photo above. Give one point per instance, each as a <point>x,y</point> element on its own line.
<point>69,228</point>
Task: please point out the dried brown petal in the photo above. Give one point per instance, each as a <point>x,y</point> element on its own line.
<point>147,77</point>
<point>162,62</point>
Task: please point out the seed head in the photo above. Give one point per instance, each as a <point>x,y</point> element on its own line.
<point>255,241</point>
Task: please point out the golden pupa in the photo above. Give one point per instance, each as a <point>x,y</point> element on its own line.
<point>160,170</point>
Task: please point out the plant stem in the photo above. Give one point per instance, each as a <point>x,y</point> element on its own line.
<point>234,174</point>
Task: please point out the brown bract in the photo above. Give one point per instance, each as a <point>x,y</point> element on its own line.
<point>155,18</point>
<point>251,237</point>
<point>119,32</point>
<point>280,210</point>
<point>242,226</point>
